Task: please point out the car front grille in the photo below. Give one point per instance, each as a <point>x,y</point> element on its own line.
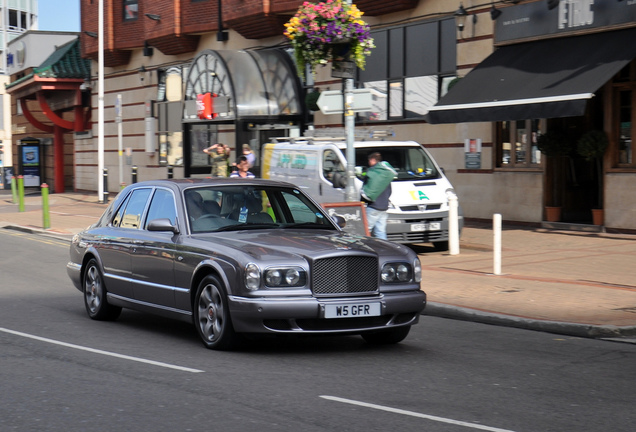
<point>345,275</point>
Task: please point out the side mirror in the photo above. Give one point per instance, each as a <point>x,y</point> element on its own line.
<point>162,224</point>
<point>339,220</point>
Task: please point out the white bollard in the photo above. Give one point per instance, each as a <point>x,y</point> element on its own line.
<point>453,225</point>
<point>496,226</point>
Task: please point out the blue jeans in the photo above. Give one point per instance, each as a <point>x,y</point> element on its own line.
<point>376,219</point>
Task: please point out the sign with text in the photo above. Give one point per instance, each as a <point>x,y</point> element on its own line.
<point>531,20</point>
<point>331,101</point>
<point>354,214</point>
<point>472,152</point>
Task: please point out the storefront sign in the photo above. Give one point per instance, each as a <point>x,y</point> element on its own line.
<point>532,20</point>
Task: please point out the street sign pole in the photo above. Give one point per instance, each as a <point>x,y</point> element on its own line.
<point>349,115</point>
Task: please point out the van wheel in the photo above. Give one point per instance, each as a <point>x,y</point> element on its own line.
<point>441,246</point>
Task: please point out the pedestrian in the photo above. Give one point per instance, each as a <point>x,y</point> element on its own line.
<point>376,192</point>
<point>243,169</point>
<point>219,153</point>
<point>249,154</point>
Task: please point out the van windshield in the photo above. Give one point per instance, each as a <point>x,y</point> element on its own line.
<point>410,162</point>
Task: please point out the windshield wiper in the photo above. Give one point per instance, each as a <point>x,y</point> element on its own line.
<point>307,225</point>
<point>245,226</point>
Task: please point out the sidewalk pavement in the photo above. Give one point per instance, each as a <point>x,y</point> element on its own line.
<point>566,282</point>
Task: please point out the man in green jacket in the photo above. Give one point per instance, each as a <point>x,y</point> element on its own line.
<point>376,192</point>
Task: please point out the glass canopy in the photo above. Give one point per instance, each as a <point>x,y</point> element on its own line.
<point>257,83</point>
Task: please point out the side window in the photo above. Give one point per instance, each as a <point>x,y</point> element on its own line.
<point>331,165</point>
<point>300,212</point>
<point>162,206</point>
<point>134,209</point>
<point>120,213</point>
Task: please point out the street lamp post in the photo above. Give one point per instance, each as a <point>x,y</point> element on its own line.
<point>100,102</point>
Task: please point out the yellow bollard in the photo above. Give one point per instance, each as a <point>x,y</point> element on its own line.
<point>46,217</point>
<point>14,190</point>
<point>20,193</point>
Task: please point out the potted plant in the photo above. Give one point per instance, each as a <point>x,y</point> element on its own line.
<point>554,144</point>
<point>317,33</point>
<point>592,146</point>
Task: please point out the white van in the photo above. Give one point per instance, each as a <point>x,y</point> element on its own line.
<point>418,210</point>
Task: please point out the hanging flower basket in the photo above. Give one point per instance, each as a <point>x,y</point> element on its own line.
<point>318,31</point>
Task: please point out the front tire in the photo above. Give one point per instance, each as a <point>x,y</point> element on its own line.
<point>212,315</point>
<point>95,300</point>
<point>386,337</point>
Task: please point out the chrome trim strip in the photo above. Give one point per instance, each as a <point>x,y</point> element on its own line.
<point>150,305</point>
<point>151,284</point>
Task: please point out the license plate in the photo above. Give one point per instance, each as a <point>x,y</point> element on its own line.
<point>352,310</point>
<point>433,226</point>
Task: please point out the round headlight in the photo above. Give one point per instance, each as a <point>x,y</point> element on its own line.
<point>292,276</point>
<point>273,278</point>
<point>403,273</point>
<point>252,276</point>
<point>388,273</point>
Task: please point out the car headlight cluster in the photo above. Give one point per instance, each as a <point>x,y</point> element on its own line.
<point>283,277</point>
<point>396,272</point>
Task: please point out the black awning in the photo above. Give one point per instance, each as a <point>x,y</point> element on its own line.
<point>541,79</point>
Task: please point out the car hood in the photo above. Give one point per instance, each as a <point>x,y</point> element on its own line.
<point>277,244</point>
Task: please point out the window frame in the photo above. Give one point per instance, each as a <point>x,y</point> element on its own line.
<point>624,81</point>
<point>531,152</point>
<point>395,65</point>
<point>134,14</point>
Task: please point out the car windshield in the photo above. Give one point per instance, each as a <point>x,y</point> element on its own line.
<point>410,162</point>
<point>228,208</point>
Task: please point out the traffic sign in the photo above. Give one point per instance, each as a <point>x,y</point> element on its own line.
<point>331,101</point>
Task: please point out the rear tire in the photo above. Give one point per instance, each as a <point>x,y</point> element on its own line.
<point>386,337</point>
<point>212,315</point>
<point>95,295</point>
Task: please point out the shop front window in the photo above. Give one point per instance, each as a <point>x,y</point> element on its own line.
<point>517,143</point>
<point>202,136</point>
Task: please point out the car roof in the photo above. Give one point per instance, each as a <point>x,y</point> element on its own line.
<point>186,183</point>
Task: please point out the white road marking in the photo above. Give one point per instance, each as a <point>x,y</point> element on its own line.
<point>415,414</point>
<point>96,351</point>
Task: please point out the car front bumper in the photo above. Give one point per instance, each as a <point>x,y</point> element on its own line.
<point>74,272</point>
<point>307,315</point>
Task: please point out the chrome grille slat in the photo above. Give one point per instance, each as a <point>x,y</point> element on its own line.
<point>344,275</point>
